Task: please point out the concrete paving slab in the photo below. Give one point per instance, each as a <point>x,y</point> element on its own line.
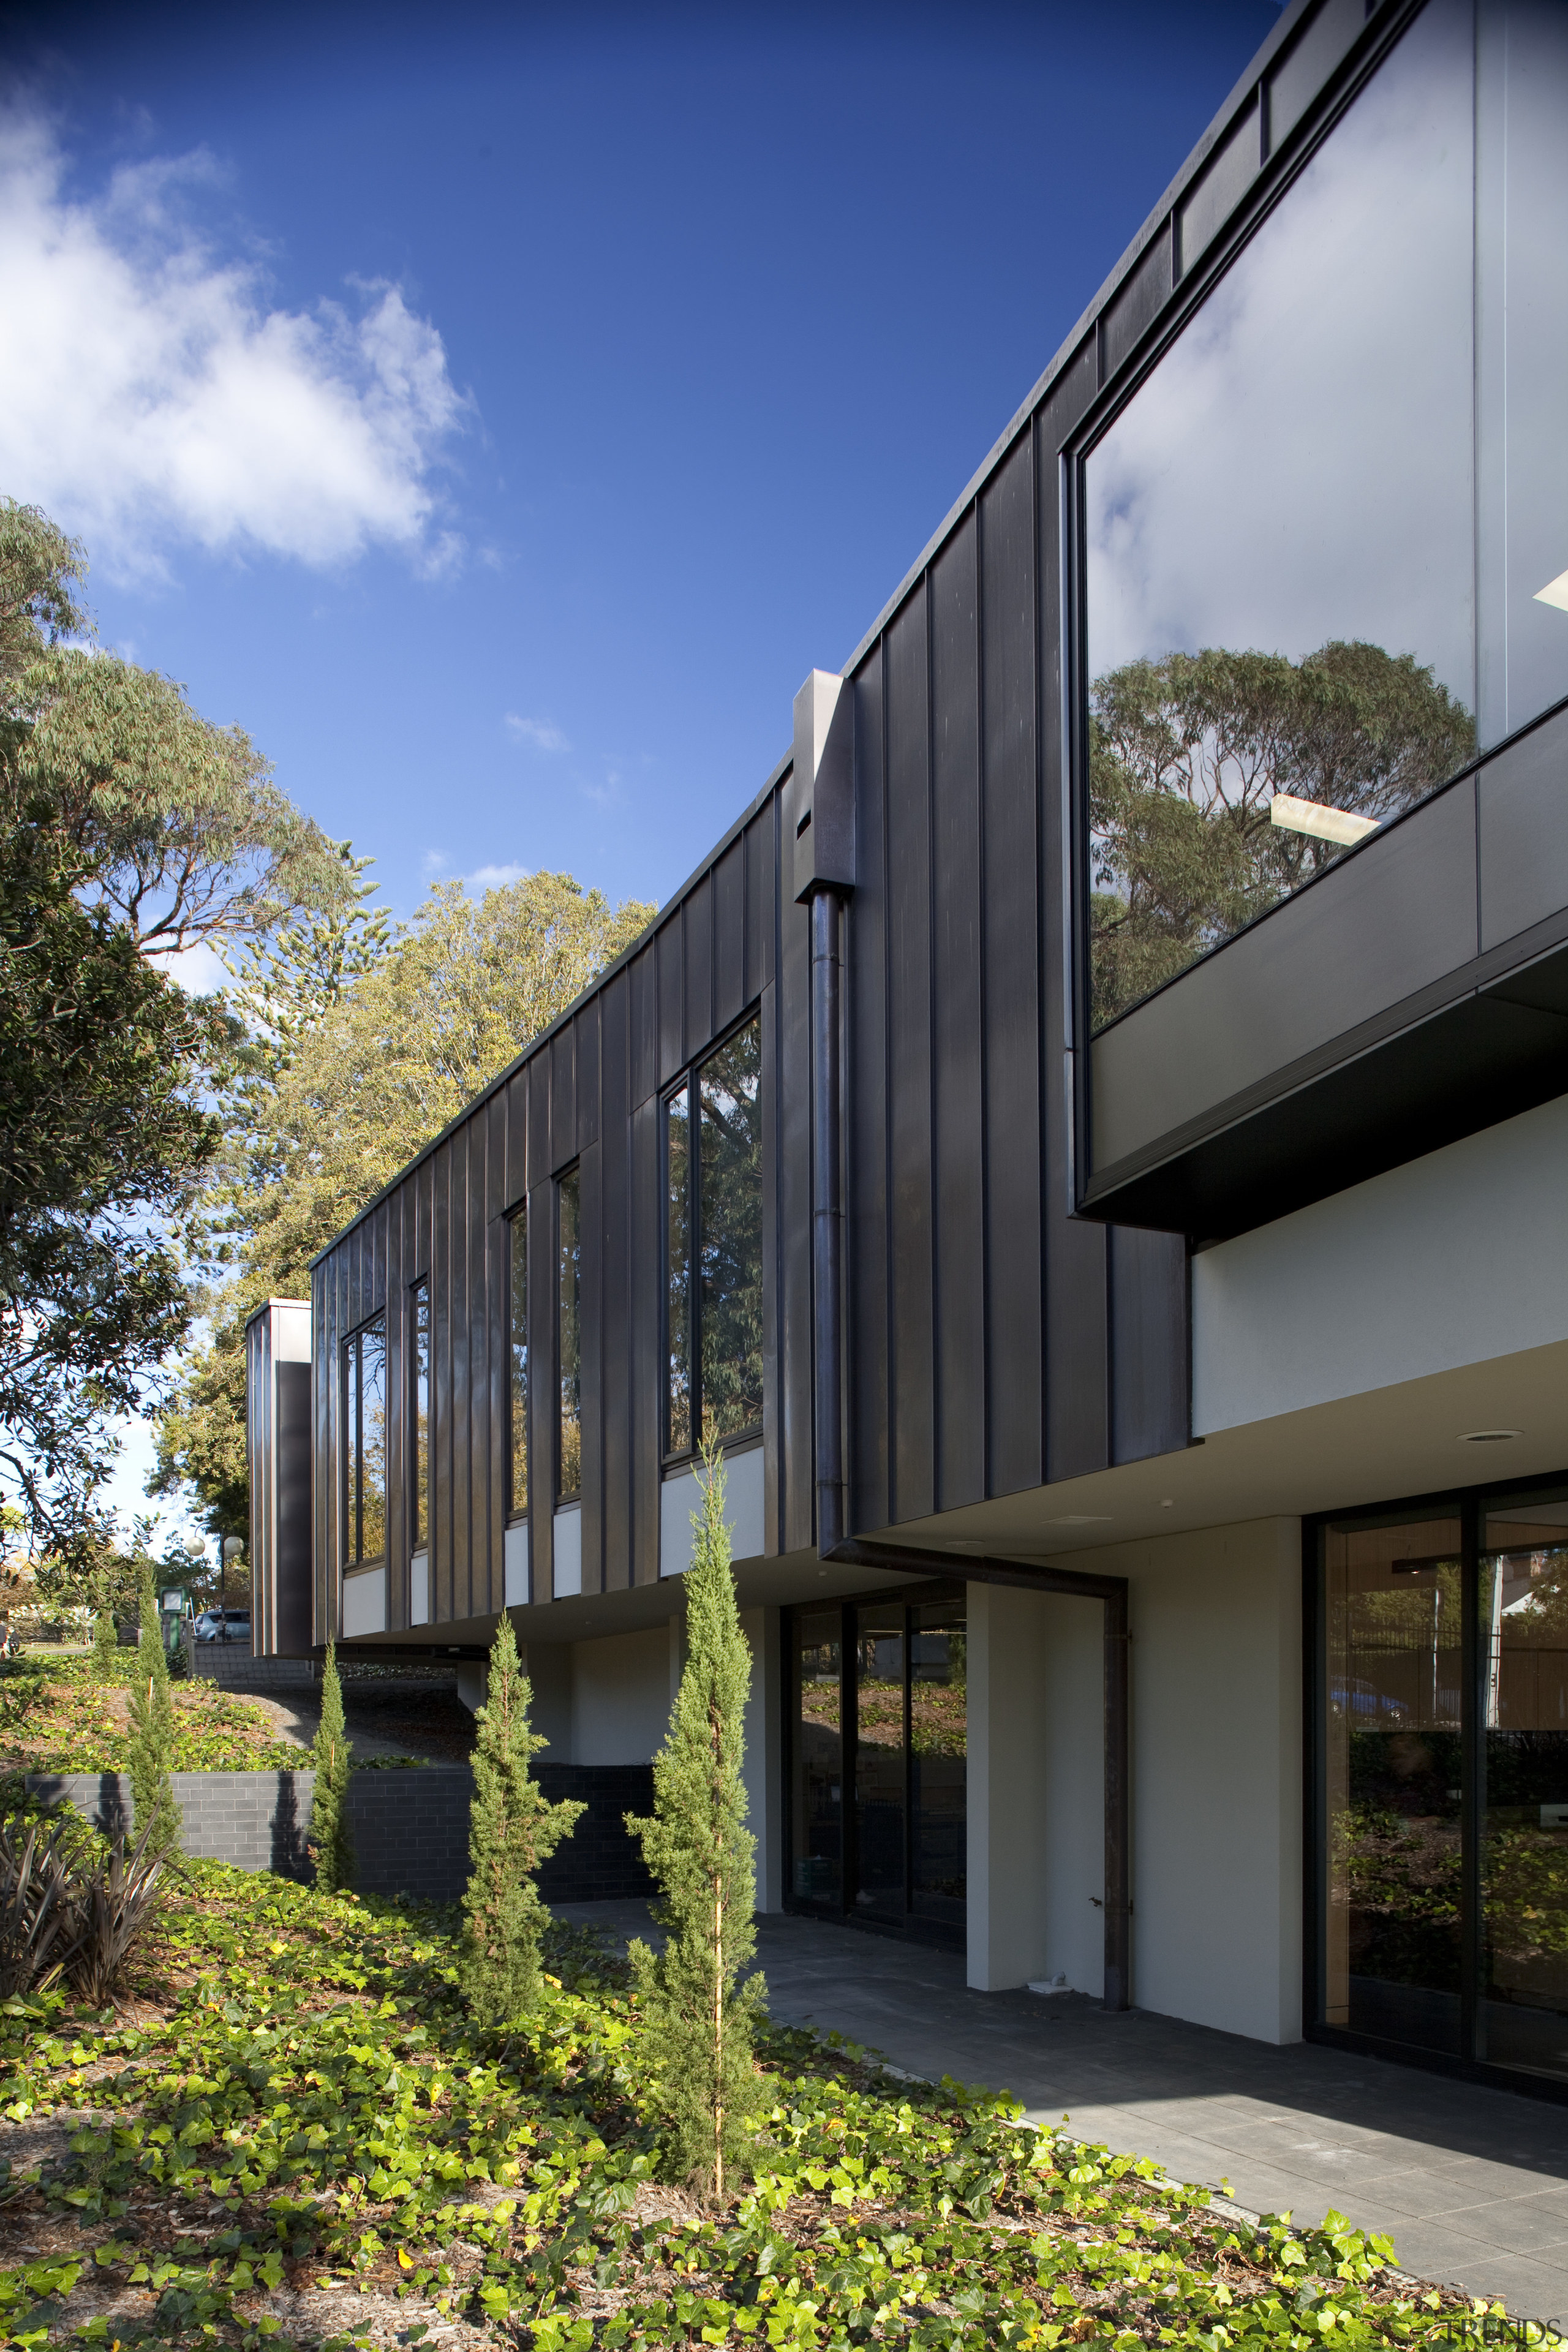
<point>1470,2183</point>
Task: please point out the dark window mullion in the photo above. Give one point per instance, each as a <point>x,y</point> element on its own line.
<point>694,1252</point>
<point>909,1761</point>
<point>1475,1664</point>
<point>848,1760</point>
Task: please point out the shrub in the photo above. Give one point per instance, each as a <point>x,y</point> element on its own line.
<point>105,1645</point>
<point>701,2017</point>
<point>36,1922</point>
<point>513,1828</point>
<point>330,1839</point>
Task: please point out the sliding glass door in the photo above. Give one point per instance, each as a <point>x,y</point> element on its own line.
<point>1441,1701</point>
<point>877,1767</point>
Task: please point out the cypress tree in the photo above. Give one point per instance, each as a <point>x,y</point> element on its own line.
<point>512,1827</point>
<point>329,1838</point>
<point>699,2016</point>
<point>152,1729</point>
<point>105,1644</point>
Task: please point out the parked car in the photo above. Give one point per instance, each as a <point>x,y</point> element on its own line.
<point>223,1625</point>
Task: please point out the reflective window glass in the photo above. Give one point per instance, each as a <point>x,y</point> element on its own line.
<point>1280,539</point>
<point>879,1753</point>
<point>1393,1751</point>
<point>419,1413</point>
<point>713,1247</point>
<point>569,1334</point>
<point>517,1492</point>
<point>939,1745</point>
<point>1523,1606</point>
<point>365,1444</point>
<point>729,1191</point>
<point>678,1149</point>
<point>816,1827</point>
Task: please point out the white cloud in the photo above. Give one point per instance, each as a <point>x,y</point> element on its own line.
<point>147,395</point>
<point>495,877</point>
<point>542,733</point>
<point>1277,483</point>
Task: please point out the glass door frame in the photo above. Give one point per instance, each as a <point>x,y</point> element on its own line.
<point>941,1591</point>
<point>1470,1505</point>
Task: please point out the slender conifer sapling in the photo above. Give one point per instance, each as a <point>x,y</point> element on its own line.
<point>329,1839</point>
<point>700,2018</point>
<point>513,1828</point>
<point>156,1815</point>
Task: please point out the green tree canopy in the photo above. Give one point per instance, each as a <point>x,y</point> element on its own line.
<point>365,1044</point>
<point>1186,755</point>
<point>130,827</point>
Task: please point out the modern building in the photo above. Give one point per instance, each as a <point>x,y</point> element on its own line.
<point>1092,1141</point>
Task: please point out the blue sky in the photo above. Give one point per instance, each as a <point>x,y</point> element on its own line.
<point>498,411</point>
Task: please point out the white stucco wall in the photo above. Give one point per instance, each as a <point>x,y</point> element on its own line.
<point>1073,1699</point>
<point>1455,1258</point>
<point>1217,1775</point>
<point>744,1515</point>
<point>620,1697</point>
<point>1008,1633</point>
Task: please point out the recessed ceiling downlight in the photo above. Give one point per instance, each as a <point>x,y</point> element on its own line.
<point>1488,1436</point>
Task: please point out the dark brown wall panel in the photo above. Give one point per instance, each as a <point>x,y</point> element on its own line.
<point>561,1054</point>
<point>468,1342</point>
<point>697,913</point>
<point>914,1431</point>
<point>1076,1435</point>
<point>865,1123</point>
<point>592,1313</point>
<point>759,841</point>
<point>1011,932</point>
<point>544,1398</point>
<point>586,1029</point>
<point>643,977</point>
<point>447,1403</point>
<point>671,998</point>
<point>645,1326</point>
<point>1148,1343</point>
<point>729,935</point>
<point>959,1126</point>
<point>793,1232</point>
<point>614,1175</point>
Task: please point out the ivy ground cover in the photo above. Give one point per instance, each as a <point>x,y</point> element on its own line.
<point>290,2135</point>
<point>57,1716</point>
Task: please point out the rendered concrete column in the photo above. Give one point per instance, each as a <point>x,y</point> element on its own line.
<point>547,1665</point>
<point>765,1754</point>
<point>1073,1694</point>
<point>1007,1648</point>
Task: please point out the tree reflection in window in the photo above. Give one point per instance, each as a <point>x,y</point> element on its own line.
<point>1186,755</point>
<point>714,1294</point>
<point>569,1335</point>
<point>365,1444</point>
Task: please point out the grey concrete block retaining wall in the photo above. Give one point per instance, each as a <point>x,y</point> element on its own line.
<point>410,1828</point>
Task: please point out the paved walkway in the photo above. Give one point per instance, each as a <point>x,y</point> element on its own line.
<point>1471,2184</point>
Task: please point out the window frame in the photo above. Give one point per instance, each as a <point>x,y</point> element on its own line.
<point>687,1086</point>
<point>1115,389</point>
<point>352,1482</point>
<point>421,1365</point>
<point>1470,1505</point>
<point>570,1175</point>
<point>518,1393</point>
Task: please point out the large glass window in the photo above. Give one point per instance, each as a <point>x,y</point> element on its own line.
<point>713,1157</point>
<point>1326,538</point>
<point>1443,1778</point>
<point>365,1444</point>
<point>569,1337</point>
<point>1394,1753</point>
<point>517,1497</point>
<point>883,1684</point>
<point>1523,1754</point>
<point>419,1415</point>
